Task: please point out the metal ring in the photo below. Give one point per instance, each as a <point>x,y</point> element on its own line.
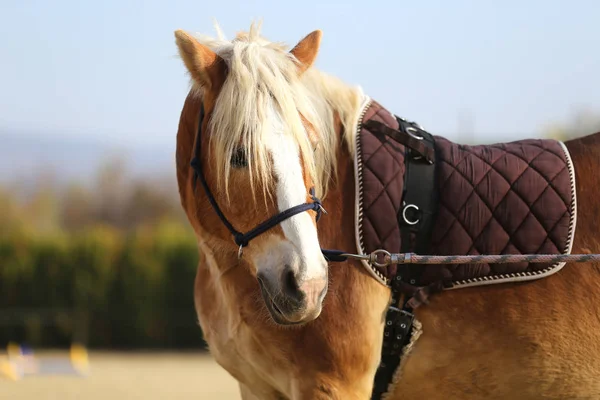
<point>404,214</point>
<point>409,129</point>
<point>374,258</point>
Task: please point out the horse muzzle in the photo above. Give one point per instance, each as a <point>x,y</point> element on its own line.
<point>290,298</point>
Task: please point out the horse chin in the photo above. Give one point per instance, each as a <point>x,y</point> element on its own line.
<point>278,317</point>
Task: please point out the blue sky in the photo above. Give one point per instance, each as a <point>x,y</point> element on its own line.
<point>107,69</point>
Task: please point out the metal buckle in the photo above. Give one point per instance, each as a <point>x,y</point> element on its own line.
<point>389,258</point>
<point>406,207</point>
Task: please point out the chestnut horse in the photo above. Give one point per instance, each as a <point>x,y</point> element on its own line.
<point>269,133</point>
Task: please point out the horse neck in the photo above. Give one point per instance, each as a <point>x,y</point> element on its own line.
<point>349,281</point>
<point>336,228</point>
<point>341,105</point>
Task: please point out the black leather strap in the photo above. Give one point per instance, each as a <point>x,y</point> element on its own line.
<point>396,335</point>
<point>404,136</point>
<point>419,201</point>
<point>415,219</point>
<point>334,255</point>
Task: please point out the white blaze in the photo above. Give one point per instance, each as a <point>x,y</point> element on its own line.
<point>291,191</point>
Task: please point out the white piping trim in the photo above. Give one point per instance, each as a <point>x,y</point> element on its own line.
<point>358,197</point>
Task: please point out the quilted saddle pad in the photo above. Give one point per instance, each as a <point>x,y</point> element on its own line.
<point>505,198</point>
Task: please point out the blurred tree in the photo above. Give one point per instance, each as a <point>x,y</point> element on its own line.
<point>110,191</point>
<point>76,208</point>
<point>109,262</point>
<point>41,211</point>
<point>8,213</point>
<point>147,205</point>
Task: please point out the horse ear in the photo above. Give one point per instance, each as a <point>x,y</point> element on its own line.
<point>205,66</point>
<point>307,49</point>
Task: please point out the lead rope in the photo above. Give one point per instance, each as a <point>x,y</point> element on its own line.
<point>382,258</point>
<point>420,295</point>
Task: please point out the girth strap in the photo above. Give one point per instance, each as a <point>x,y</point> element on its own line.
<point>415,219</point>
<point>419,205</point>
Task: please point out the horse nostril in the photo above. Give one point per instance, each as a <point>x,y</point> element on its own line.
<point>290,284</point>
<point>290,279</point>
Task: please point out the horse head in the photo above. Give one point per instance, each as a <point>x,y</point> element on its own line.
<point>255,159</point>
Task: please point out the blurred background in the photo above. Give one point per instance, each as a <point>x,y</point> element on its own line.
<point>95,250</point>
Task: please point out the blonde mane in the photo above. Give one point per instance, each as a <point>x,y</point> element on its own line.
<point>262,76</point>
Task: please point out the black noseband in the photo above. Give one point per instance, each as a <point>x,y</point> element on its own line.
<point>243,239</point>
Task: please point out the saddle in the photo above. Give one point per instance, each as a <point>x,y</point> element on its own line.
<point>421,193</point>
<point>504,198</point>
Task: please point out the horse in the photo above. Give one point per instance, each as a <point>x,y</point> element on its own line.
<point>266,170</point>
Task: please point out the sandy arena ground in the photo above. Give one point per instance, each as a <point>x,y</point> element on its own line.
<point>116,376</point>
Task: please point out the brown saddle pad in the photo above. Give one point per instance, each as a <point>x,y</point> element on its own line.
<point>505,198</point>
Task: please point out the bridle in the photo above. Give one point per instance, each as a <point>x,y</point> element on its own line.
<point>243,239</point>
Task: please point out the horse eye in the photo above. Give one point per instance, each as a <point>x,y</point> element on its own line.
<point>238,159</point>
